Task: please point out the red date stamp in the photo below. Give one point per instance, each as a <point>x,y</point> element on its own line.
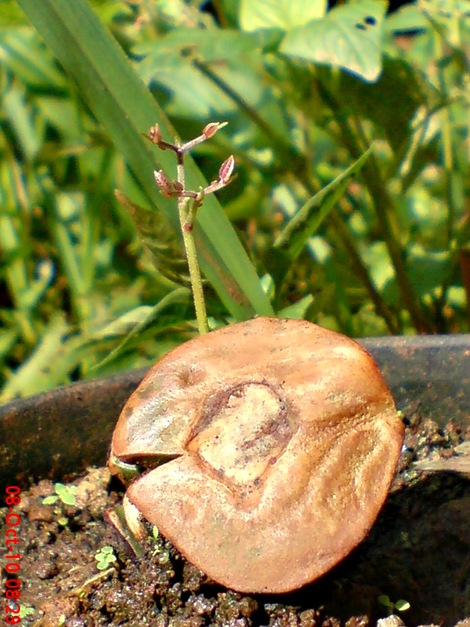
<point>12,566</point>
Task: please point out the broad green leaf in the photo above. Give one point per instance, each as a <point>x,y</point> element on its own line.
<point>169,61</point>
<point>349,37</point>
<point>210,45</point>
<point>192,93</point>
<point>126,109</point>
<point>284,14</point>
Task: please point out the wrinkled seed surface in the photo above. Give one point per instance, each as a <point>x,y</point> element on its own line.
<point>284,439</point>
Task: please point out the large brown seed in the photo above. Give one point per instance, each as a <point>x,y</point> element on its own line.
<point>281,440</point>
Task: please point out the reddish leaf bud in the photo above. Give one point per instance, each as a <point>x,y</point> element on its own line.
<point>155,134</point>
<point>163,183</point>
<point>211,129</point>
<point>226,169</point>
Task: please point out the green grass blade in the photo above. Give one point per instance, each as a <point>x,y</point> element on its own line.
<point>305,223</point>
<point>180,294</point>
<point>35,374</point>
<point>126,109</point>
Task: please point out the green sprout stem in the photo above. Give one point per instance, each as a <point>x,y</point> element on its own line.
<point>193,264</point>
<point>187,214</point>
<point>188,205</point>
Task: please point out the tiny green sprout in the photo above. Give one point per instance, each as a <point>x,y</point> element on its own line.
<point>104,557</point>
<point>26,610</point>
<point>64,493</point>
<point>400,606</point>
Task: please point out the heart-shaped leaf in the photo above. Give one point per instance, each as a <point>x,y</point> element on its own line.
<point>349,37</point>
<point>285,14</point>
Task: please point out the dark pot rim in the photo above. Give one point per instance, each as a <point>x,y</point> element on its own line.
<point>56,433</point>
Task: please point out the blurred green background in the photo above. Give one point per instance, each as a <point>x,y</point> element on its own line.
<point>306,90</point>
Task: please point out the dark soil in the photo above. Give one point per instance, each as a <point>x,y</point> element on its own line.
<point>418,550</point>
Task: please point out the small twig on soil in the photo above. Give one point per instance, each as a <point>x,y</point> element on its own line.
<point>92,580</point>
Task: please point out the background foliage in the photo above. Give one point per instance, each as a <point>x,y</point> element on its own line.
<point>306,91</point>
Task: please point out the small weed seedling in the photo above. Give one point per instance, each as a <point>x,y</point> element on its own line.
<point>26,610</point>
<point>400,606</point>
<point>104,557</point>
<point>64,493</point>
